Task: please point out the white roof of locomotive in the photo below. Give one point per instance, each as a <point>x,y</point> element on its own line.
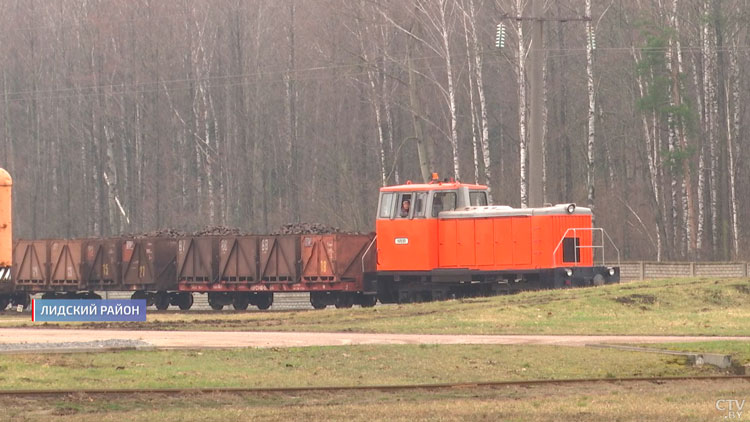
<point>506,211</point>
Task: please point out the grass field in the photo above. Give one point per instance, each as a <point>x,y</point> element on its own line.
<point>643,401</point>
<point>659,307</point>
<point>335,366</point>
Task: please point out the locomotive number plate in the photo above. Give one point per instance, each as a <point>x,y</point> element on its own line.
<point>402,240</point>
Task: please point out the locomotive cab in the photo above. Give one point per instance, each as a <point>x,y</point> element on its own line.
<point>407,221</point>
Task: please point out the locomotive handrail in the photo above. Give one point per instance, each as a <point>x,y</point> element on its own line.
<point>602,233</point>
<point>367,251</point>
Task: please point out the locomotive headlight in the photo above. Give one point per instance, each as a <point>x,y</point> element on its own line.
<point>568,272</point>
<point>570,208</point>
<point>611,271</point>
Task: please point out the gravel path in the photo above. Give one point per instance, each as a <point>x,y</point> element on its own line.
<point>94,345</point>
<point>42,338</point>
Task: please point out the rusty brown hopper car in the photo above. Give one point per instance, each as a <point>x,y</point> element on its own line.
<point>149,263</point>
<point>336,258</point>
<point>65,265</point>
<point>278,259</point>
<point>238,260</point>
<point>101,264</point>
<point>196,260</point>
<point>31,265</point>
<point>333,270</point>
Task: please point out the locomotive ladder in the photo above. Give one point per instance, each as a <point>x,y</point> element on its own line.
<point>594,247</point>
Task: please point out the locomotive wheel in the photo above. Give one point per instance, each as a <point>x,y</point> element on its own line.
<point>368,301</point>
<point>185,300</point>
<point>344,300</point>
<point>264,301</point>
<point>240,301</point>
<point>4,301</point>
<point>161,301</point>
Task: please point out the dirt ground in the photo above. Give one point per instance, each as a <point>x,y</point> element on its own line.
<point>223,339</point>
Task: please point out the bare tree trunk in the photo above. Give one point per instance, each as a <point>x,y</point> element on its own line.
<point>415,111</point>
<point>472,107</point>
<point>709,84</point>
<point>485,138</point>
<point>734,132</point>
<point>688,213</point>
<point>445,34</point>
<point>592,108</point>
<point>522,108</point>
<point>699,233</point>
<point>652,158</point>
<point>362,31</point>
<point>292,121</point>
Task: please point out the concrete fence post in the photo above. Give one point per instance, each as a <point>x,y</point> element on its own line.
<point>692,269</point>
<point>642,270</point>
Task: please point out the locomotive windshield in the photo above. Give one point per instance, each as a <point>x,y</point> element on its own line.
<point>443,201</point>
<point>478,198</point>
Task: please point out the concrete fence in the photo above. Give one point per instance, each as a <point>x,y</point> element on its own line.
<point>643,270</point>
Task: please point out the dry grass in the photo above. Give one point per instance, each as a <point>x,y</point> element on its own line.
<point>643,401</point>
<point>330,366</point>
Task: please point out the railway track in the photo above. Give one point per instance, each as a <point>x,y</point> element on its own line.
<point>446,386</point>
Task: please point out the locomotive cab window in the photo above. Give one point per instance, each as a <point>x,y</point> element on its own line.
<point>443,201</point>
<point>571,250</point>
<point>420,204</point>
<point>478,198</point>
<point>387,204</point>
<point>405,205</point>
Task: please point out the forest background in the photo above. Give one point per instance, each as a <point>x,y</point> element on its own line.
<point>122,116</point>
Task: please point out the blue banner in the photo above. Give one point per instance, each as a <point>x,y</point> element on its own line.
<point>60,310</point>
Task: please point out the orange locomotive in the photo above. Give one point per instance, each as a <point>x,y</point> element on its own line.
<point>443,239</point>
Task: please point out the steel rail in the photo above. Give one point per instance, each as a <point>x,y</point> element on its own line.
<point>446,386</point>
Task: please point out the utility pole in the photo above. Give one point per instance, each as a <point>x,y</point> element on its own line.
<point>536,80</point>
<point>536,131</point>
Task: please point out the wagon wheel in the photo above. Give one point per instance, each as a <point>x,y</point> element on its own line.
<point>264,301</point>
<point>240,301</point>
<point>368,301</point>
<point>138,295</point>
<point>317,301</point>
<point>161,301</point>
<point>344,300</point>
<point>185,301</point>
